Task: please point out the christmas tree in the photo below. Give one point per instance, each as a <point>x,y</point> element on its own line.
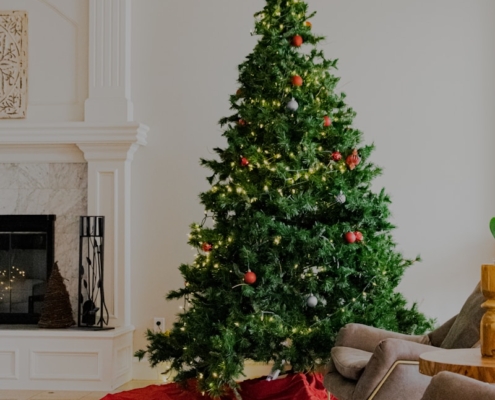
<point>294,243</point>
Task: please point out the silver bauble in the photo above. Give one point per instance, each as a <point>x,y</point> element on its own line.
<point>292,105</point>
<point>312,301</point>
<point>340,198</point>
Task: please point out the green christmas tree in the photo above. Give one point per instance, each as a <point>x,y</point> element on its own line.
<point>294,243</point>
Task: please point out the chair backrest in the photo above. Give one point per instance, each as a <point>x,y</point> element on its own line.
<point>438,335</point>
<point>464,331</point>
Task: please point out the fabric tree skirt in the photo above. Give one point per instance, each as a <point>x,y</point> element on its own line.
<point>292,387</point>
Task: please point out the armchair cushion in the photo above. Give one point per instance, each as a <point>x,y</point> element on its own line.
<point>350,362</point>
<point>386,354</point>
<point>465,331</point>
<point>447,385</point>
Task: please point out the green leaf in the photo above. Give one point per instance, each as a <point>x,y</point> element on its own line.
<point>492,226</point>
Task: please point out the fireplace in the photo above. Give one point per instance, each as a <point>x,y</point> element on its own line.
<point>26,260</point>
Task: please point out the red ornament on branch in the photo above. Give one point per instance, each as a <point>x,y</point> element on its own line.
<point>239,93</point>
<point>250,277</point>
<point>297,80</point>
<point>353,160</point>
<point>336,156</point>
<point>244,162</point>
<point>241,122</point>
<point>297,41</point>
<point>206,247</point>
<point>350,237</point>
<point>327,121</point>
<point>359,236</point>
<point>308,24</point>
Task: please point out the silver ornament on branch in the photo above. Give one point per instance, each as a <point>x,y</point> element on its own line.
<point>292,105</point>
<point>340,198</point>
<point>312,301</point>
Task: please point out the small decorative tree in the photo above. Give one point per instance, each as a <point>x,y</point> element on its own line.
<point>299,245</point>
<point>56,311</point>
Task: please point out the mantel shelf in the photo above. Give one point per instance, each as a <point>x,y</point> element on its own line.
<point>70,141</point>
<point>71,133</point>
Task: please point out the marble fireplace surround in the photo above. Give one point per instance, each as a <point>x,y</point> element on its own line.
<point>74,169</point>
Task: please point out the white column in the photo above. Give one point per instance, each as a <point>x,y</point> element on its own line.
<point>109,62</point>
<point>109,194</point>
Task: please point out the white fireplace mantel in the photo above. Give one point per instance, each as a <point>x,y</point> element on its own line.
<point>70,141</point>
<point>75,360</point>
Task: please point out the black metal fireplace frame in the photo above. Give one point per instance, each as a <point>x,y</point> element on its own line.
<point>23,224</point>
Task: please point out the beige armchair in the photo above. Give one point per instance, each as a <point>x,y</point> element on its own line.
<point>369,363</point>
<point>447,385</point>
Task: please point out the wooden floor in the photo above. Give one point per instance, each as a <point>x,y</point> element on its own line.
<point>65,395</point>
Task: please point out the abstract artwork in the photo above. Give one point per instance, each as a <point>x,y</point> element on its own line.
<point>13,64</point>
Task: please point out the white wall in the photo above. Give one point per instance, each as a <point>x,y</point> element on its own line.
<point>419,73</point>
<point>57,58</point>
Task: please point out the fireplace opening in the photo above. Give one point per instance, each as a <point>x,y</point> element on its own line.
<point>26,260</point>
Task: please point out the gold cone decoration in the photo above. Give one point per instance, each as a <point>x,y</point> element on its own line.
<point>56,311</point>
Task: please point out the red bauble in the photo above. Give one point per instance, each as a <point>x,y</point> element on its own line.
<point>239,93</point>
<point>350,237</point>
<point>308,24</point>
<point>297,41</point>
<point>206,247</point>
<point>244,162</point>
<point>241,122</point>
<point>359,236</point>
<point>353,160</point>
<point>336,156</point>
<point>327,121</point>
<point>297,80</point>
<point>250,277</point>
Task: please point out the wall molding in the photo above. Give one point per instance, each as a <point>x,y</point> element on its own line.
<point>13,354</point>
<point>70,141</point>
<point>66,359</point>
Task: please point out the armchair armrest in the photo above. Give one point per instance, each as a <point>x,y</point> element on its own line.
<point>366,338</point>
<point>386,356</point>
<point>447,385</point>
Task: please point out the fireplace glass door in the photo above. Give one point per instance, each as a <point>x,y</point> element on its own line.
<point>26,258</point>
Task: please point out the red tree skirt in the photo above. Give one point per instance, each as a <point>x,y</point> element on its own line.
<point>294,386</point>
